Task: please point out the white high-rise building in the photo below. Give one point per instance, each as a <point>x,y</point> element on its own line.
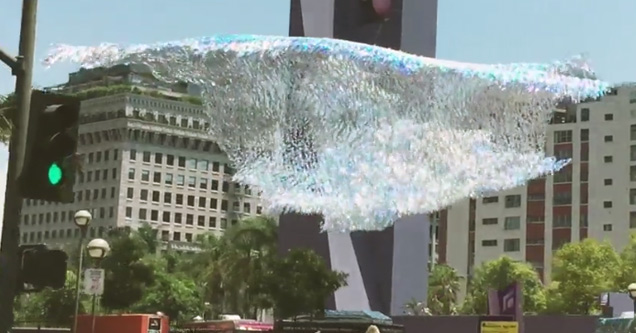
<point>148,159</point>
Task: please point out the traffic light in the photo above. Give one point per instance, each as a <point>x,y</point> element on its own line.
<point>372,11</point>
<point>41,267</point>
<point>49,165</point>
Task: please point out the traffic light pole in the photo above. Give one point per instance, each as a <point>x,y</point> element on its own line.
<point>22,68</point>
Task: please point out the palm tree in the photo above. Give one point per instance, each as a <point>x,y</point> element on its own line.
<point>443,287</point>
<point>7,110</point>
<point>247,248</point>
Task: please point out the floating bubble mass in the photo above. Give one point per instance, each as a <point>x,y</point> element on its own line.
<point>358,133</point>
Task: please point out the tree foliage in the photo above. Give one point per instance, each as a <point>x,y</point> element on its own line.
<point>444,285</point>
<point>128,273</point>
<point>498,274</point>
<point>301,282</point>
<point>581,272</point>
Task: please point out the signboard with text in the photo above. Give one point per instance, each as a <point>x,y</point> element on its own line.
<point>499,327</point>
<point>94,281</point>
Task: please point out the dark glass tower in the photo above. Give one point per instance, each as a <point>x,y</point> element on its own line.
<point>388,268</point>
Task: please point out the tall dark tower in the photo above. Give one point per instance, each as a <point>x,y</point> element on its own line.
<point>388,268</point>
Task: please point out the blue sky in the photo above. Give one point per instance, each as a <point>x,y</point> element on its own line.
<point>485,31</point>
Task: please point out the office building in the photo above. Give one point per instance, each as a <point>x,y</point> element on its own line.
<point>147,159</point>
<point>594,196</point>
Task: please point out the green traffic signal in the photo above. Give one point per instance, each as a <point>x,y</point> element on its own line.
<point>55,174</point>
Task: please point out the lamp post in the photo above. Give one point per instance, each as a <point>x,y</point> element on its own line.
<point>82,220</point>
<point>632,294</point>
<point>97,249</point>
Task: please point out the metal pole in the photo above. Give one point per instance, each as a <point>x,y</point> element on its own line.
<point>434,222</point>
<point>79,278</point>
<point>93,313</point>
<point>13,200</point>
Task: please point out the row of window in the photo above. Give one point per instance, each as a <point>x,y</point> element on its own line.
<point>64,216</point>
<point>202,183</point>
<point>69,233</point>
<point>97,175</point>
<point>99,156</point>
<point>510,244</point>
<point>512,201</point>
<point>181,162</point>
<point>204,221</point>
<point>190,200</point>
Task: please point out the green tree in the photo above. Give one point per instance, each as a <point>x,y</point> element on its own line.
<point>627,273</point>
<point>172,293</point>
<point>498,274</point>
<point>128,272</point>
<point>582,272</point>
<point>301,282</point>
<point>249,249</point>
<point>443,286</point>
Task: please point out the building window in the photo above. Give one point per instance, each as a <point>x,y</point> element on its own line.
<point>168,179</point>
<point>176,236</point>
<point>202,202</point>
<point>607,227</point>
<point>170,160</point>
<point>608,138</point>
<point>536,197</point>
<point>156,177</point>
<point>609,117</point>
<point>632,196</point>
<point>608,204</point>
<point>585,114</point>
<point>143,196</point>
<point>563,153</point>
<point>143,214</point>
<point>192,181</point>
<point>223,223</point>
<point>512,223</point>
<point>513,201</point>
<point>585,135</point>
<point>180,180</point>
<point>583,220</point>
<point>489,221</point>
<point>607,181</point>
<point>181,162</point>
<point>512,245</point>
<point>203,183</point>
<point>562,221</point>
<point>191,164</point>
<point>201,221</point>
<point>128,212</point>
<point>145,175</point>
<point>562,136</point>
<point>489,242</point>
<point>156,196</point>
<point>215,185</point>
<point>133,154</point>
<point>562,198</point>
<point>203,165</point>
<point>608,159</point>
<point>167,197</point>
<point>158,158</point>
<point>212,222</point>
<point>131,174</point>
<point>632,132</point>
<point>632,220</point>
<point>179,200</point>
<point>224,205</point>
<point>130,193</point>
<point>563,176</point>
<point>146,157</point>
<point>189,219</point>
<point>214,203</point>
<point>632,173</point>
<point>246,207</point>
<point>191,200</point>
<point>166,217</point>
<point>178,218</point>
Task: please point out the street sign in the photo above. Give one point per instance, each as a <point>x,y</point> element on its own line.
<point>154,325</point>
<point>499,327</point>
<point>94,281</point>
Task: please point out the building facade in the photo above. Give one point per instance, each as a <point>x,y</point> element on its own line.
<point>594,196</point>
<point>147,159</point>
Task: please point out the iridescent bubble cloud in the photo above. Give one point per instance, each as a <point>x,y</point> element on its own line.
<point>358,133</point>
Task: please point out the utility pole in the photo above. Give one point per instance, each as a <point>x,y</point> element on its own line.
<point>22,68</point>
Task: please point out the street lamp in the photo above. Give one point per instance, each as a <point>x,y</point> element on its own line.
<point>97,249</point>
<point>82,219</point>
<point>631,289</point>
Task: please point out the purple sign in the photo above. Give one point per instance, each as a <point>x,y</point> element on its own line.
<point>507,302</point>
